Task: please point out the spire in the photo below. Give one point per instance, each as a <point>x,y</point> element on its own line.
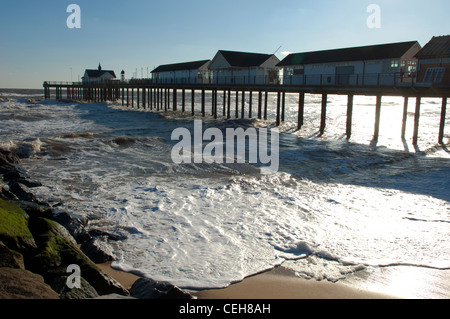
<point>99,67</point>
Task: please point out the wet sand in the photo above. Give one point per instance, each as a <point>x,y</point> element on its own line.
<point>281,283</point>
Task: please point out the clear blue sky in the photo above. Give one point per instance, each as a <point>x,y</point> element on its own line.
<point>37,45</point>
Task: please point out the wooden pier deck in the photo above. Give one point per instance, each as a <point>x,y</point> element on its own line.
<point>165,97</point>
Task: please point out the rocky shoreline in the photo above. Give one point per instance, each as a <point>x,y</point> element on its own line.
<point>37,246</point>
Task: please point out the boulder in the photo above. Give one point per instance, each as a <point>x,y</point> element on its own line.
<point>146,288</point>
<point>95,232</point>
<point>35,210</point>
<point>114,296</point>
<point>22,284</point>
<point>98,251</point>
<point>7,157</point>
<point>86,291</point>
<point>10,258</point>
<point>22,192</point>
<point>44,229</point>
<point>5,193</point>
<point>56,253</point>
<point>14,174</point>
<point>14,231</point>
<point>75,225</point>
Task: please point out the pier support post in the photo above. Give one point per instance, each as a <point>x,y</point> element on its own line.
<point>283,106</point>
<point>442,124</point>
<point>259,105</point>
<point>183,100</point>
<point>165,99</point>
<point>237,104</point>
<point>229,105</point>
<point>405,117</point>
<point>149,98</point>
<point>250,102</point>
<point>377,118</point>
<point>301,110</point>
<point>158,98</point>
<point>203,103</point>
<point>416,121</point>
<point>323,115</point>
<point>168,99</point>
<point>192,102</point>
<point>144,97</point>
<point>243,105</point>
<point>278,108</point>
<point>349,116</point>
<point>224,103</point>
<point>174,92</point>
<point>215,104</point>
<point>153,94</point>
<point>138,98</point>
<point>265,104</point>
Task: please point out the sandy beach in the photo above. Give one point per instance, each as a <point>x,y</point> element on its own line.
<point>281,283</point>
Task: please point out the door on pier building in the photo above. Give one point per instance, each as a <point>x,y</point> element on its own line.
<point>343,74</point>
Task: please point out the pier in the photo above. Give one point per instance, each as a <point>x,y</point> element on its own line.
<point>165,97</point>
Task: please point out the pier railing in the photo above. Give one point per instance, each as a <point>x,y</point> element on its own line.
<point>357,80</point>
<point>368,80</point>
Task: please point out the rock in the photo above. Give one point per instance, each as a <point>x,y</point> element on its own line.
<point>7,157</point>
<point>101,233</point>
<point>14,231</point>
<point>146,288</point>
<point>22,192</point>
<point>75,226</point>
<point>14,174</point>
<point>25,150</point>
<point>10,258</point>
<point>86,291</point>
<point>44,229</point>
<point>22,284</point>
<point>35,210</point>
<point>98,251</point>
<point>102,283</point>
<point>5,193</point>
<point>114,296</point>
<point>54,255</point>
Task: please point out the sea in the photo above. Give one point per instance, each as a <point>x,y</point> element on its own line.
<point>334,208</point>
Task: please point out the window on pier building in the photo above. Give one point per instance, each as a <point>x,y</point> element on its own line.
<point>299,71</point>
<point>391,66</point>
<point>434,75</point>
<point>289,71</point>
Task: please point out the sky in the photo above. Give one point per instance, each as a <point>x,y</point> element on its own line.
<point>136,36</point>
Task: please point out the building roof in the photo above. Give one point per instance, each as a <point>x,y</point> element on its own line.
<point>372,52</point>
<point>180,66</point>
<point>437,47</point>
<point>98,73</point>
<point>244,59</point>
